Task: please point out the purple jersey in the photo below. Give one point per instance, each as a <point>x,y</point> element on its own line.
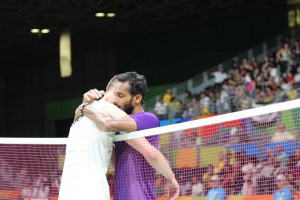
<point>134,177</point>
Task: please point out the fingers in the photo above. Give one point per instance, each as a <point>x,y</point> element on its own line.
<point>92,94</point>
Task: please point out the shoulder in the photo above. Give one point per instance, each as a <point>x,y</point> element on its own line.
<point>145,120</point>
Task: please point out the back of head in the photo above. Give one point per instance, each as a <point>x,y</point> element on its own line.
<point>137,83</point>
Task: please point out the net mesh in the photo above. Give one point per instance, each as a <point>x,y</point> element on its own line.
<point>251,154</point>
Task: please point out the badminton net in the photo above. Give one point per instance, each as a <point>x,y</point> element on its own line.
<point>244,155</point>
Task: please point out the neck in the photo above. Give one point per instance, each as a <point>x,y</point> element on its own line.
<point>137,109</point>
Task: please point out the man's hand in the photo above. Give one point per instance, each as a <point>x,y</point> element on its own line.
<point>98,117</point>
<point>92,95</point>
<point>78,111</point>
<point>174,189</point>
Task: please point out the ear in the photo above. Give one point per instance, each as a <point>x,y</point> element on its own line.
<point>137,99</point>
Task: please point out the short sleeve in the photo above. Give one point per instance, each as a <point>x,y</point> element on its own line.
<point>145,120</point>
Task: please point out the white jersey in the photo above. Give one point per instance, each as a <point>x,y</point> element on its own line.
<point>88,155</point>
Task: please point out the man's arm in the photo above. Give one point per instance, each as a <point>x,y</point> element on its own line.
<point>156,160</point>
<point>127,124</point>
<point>123,123</point>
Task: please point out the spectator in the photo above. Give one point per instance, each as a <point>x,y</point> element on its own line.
<point>297,53</point>
<point>265,177</point>
<point>266,62</point>
<point>297,156</point>
<point>283,192</point>
<point>187,97</point>
<point>195,108</point>
<point>40,179</point>
<point>185,186</point>
<point>41,190</point>
<point>207,176</point>
<point>197,187</point>
<point>254,62</point>
<point>220,163</point>
<point>204,103</point>
<point>57,182</point>
<point>216,192</point>
<point>21,178</point>
<point>176,138</point>
<point>186,104</point>
<point>269,155</point>
<point>282,135</point>
<point>248,77</point>
<point>27,191</point>
<point>270,95</point>
<point>274,73</point>
<point>239,90</point>
<point>290,77</point>
<point>229,158</point>
<point>259,96</point>
<point>219,106</point>
<point>293,174</point>
<point>168,96</point>
<point>228,178</point>
<point>271,83</point>
<point>172,108</point>
<point>243,102</point>
<point>161,109</point>
<point>235,65</point>
<point>224,102</point>
<point>282,158</point>
<point>247,188</point>
<point>284,86</point>
<point>220,76</point>
<point>237,171</point>
<point>6,173</point>
<point>293,93</point>
<point>246,65</point>
<point>258,77</point>
<point>212,103</point>
<point>284,56</point>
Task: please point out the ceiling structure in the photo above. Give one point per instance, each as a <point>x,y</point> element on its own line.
<point>18,17</point>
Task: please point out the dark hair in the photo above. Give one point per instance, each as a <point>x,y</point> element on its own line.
<point>137,83</point>
<point>172,99</point>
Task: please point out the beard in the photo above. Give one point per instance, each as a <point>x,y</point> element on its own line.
<point>128,108</point>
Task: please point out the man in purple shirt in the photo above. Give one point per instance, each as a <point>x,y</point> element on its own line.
<point>135,158</point>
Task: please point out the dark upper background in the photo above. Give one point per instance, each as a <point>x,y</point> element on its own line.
<point>167,40</point>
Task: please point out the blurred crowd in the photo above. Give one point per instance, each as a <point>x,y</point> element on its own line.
<point>32,183</point>
<point>239,174</point>
<point>245,84</point>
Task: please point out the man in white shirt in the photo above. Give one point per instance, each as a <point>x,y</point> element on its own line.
<point>220,75</point>
<point>161,109</point>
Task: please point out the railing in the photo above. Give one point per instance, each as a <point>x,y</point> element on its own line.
<point>198,83</point>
